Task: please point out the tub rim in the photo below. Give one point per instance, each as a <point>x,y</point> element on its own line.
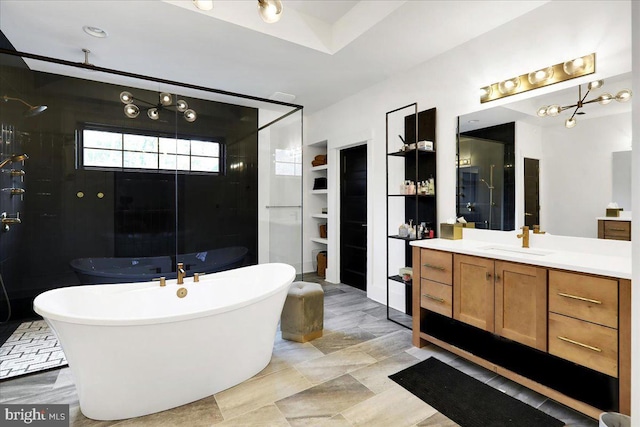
<point>49,314</point>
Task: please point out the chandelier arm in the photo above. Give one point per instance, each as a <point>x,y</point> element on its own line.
<point>574,113</point>
<point>584,97</point>
<point>590,101</point>
<point>567,107</point>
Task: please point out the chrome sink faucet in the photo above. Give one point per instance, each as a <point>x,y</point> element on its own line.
<point>524,236</point>
<point>181,273</point>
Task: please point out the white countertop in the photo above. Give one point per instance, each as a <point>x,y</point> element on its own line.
<point>624,216</point>
<point>613,218</point>
<point>595,256</point>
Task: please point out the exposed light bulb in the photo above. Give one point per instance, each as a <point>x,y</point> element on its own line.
<point>126,97</point>
<point>190,115</point>
<point>605,98</point>
<point>181,105</point>
<point>569,123</point>
<point>624,95</point>
<point>203,4</point>
<point>540,76</point>
<point>165,98</point>
<point>508,86</point>
<point>485,92</point>
<point>554,110</point>
<point>131,111</point>
<point>578,65</point>
<point>270,10</point>
<point>153,113</point>
<point>542,111</point>
<point>595,84</point>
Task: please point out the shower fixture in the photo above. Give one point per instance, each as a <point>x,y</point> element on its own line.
<point>14,172</point>
<point>14,159</point>
<point>33,110</point>
<point>15,191</point>
<point>7,220</point>
<point>165,101</point>
<point>491,187</point>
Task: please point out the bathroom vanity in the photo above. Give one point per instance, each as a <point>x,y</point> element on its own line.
<point>616,228</point>
<point>554,317</point>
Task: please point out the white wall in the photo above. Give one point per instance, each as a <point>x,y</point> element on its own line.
<point>576,172</point>
<point>451,81</point>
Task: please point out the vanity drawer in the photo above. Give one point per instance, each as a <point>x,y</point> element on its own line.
<point>436,266</point>
<point>436,297</point>
<point>620,230</point>
<point>584,343</point>
<point>594,299</point>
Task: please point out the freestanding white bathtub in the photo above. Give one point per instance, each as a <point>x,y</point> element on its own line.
<point>136,348</point>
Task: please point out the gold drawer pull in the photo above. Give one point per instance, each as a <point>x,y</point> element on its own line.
<point>433,298</point>
<point>580,344</point>
<point>435,267</point>
<point>593,301</point>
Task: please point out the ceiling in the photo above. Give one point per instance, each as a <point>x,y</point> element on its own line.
<point>320,51</point>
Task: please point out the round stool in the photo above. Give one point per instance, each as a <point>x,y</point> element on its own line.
<point>303,313</point>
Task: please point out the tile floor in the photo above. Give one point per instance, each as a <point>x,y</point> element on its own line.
<point>338,380</point>
<point>31,348</point>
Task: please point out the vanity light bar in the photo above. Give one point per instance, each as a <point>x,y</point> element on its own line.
<point>557,73</point>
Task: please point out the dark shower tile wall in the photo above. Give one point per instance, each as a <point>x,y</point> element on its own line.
<point>136,216</point>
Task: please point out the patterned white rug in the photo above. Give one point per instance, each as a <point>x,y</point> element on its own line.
<point>31,348</point>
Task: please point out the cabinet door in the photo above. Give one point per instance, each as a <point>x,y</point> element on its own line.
<point>521,303</point>
<point>473,290</point>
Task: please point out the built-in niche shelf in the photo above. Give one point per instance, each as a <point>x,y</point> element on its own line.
<point>320,216</point>
<point>319,191</point>
<point>319,168</point>
<point>320,240</point>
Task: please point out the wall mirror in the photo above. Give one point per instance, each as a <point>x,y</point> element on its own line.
<point>561,178</point>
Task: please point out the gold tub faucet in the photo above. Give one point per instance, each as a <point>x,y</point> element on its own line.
<point>536,230</point>
<point>181,273</point>
<point>524,236</point>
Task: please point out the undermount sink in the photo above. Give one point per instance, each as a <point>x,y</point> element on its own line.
<point>515,249</point>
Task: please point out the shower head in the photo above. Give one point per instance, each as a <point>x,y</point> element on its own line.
<point>33,110</point>
<point>13,159</point>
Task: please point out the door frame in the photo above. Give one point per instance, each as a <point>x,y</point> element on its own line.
<point>333,201</point>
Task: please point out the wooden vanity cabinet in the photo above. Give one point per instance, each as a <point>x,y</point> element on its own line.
<point>579,317</point>
<point>435,281</point>
<point>473,291</point>
<point>521,303</point>
<point>505,298</point>
<point>614,230</point>
<point>583,320</point>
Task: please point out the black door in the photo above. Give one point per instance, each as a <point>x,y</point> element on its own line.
<point>353,217</point>
<point>531,192</point>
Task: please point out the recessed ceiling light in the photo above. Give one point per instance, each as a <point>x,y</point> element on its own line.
<point>282,97</point>
<point>95,31</point>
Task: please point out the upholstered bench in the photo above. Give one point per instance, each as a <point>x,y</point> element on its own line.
<point>303,313</point>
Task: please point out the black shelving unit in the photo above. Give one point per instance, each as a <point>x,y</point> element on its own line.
<point>418,165</point>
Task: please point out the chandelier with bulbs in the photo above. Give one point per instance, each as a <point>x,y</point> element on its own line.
<point>553,110</point>
<point>165,102</point>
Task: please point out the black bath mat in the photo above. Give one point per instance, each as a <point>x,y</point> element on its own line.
<point>466,400</point>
